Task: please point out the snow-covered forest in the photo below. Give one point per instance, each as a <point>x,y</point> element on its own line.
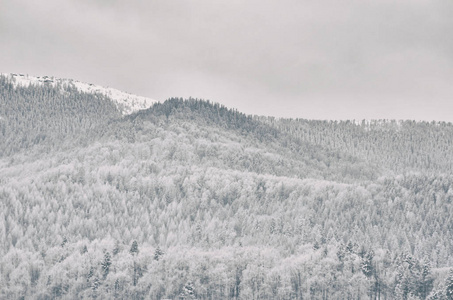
<point>191,200</point>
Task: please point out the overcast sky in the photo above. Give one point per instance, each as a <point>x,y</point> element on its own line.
<point>316,59</point>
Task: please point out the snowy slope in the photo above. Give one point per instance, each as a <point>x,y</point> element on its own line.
<point>125,102</point>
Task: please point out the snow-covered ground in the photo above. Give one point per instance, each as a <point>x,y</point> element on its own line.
<point>125,102</point>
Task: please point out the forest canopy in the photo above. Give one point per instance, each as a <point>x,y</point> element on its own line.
<point>194,200</point>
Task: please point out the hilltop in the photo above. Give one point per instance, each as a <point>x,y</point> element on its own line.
<point>126,103</point>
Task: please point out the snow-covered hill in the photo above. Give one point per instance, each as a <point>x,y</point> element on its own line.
<point>125,102</point>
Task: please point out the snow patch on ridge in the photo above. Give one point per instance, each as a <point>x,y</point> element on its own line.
<point>125,102</point>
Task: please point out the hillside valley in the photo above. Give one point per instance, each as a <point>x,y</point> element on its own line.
<point>189,199</point>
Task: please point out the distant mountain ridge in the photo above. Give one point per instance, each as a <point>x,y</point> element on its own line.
<point>126,103</point>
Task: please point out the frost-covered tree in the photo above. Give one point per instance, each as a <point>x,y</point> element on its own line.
<point>449,285</point>
<point>134,248</point>
<point>158,253</point>
<point>106,263</point>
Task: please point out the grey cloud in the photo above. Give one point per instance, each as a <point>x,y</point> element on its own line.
<point>315,59</point>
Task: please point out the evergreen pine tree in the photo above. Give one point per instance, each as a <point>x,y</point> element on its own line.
<point>95,284</point>
<point>106,263</point>
<point>90,274</point>
<point>158,253</point>
<point>367,264</point>
<point>64,242</point>
<point>116,250</point>
<point>134,248</point>
<point>449,285</point>
<point>426,281</point>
